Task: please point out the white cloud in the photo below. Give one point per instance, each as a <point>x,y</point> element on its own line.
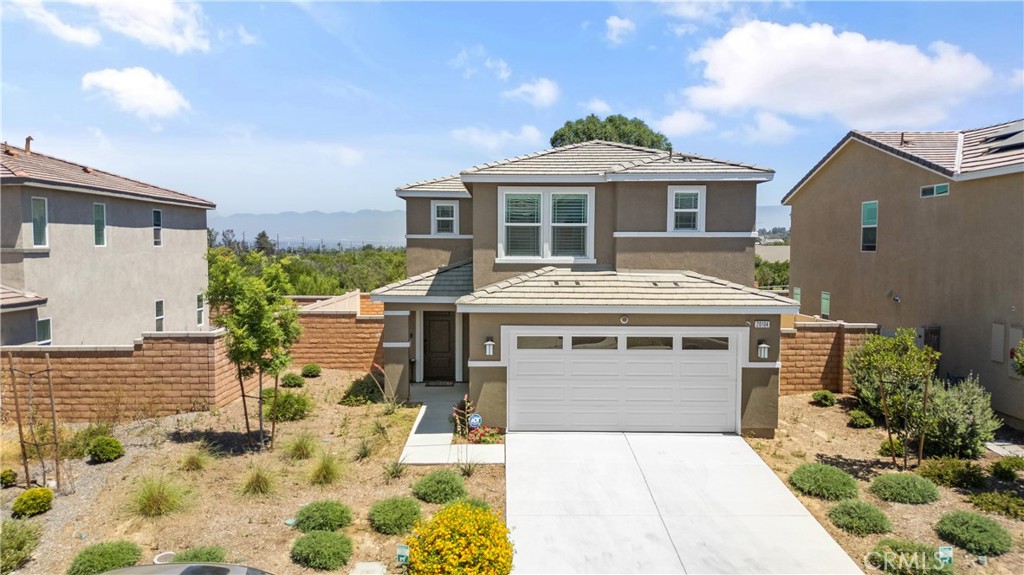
<point>469,60</point>
<point>618,29</point>
<point>345,155</point>
<point>683,123</point>
<point>698,11</point>
<point>137,91</point>
<point>35,11</point>
<point>175,26</point>
<point>597,106</point>
<point>769,129</point>
<point>812,72</point>
<point>541,93</point>
<point>500,67</point>
<point>245,37</point>
<point>498,139</point>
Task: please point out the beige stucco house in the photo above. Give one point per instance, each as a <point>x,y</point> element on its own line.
<point>596,286</point>
<point>922,230</point>
<point>92,258</point>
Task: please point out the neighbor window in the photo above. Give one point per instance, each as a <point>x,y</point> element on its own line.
<point>796,294</point>
<point>159,315</point>
<point>445,217</point>
<point>99,224</point>
<point>686,208</point>
<point>158,227</point>
<point>43,334</point>
<point>826,304</point>
<point>868,226</point>
<point>539,342</point>
<point>936,190</point>
<point>200,310</point>
<point>644,342</point>
<point>40,234</point>
<point>554,223</point>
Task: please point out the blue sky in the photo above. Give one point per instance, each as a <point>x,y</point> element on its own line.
<point>276,106</point>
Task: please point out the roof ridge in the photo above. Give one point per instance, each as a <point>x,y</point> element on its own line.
<point>429,181</point>
<point>540,153</point>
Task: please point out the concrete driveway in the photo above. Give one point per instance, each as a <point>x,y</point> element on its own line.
<point>656,503</point>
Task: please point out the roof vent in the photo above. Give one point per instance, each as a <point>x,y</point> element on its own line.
<point>28,145</point>
<point>87,169</point>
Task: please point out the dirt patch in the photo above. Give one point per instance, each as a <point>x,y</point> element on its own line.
<point>808,433</point>
<point>252,531</point>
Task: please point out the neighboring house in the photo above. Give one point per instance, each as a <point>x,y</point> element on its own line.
<point>922,230</point>
<point>596,286</point>
<point>92,258</point>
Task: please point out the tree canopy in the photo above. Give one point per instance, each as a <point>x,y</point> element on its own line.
<point>615,128</point>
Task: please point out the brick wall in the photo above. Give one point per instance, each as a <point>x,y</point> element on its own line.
<point>342,339</point>
<point>812,355</point>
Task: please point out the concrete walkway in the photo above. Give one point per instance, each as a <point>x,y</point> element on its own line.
<point>430,442</point>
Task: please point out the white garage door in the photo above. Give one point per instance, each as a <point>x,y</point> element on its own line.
<point>624,379</point>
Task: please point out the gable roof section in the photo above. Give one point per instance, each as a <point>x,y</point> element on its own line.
<point>443,285</point>
<point>14,299</point>
<point>957,155</point>
<point>20,167</point>
<point>445,185</point>
<point>559,290</point>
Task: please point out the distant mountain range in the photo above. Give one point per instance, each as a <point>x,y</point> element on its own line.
<point>352,229</point>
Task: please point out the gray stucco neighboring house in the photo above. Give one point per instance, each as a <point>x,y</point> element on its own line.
<point>92,258</point>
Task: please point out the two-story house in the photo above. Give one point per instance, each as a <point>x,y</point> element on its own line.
<point>595,286</point>
<point>92,258</point>
<point>921,230</point>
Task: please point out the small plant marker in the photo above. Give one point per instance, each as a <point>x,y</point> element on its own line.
<point>946,555</point>
<point>403,555</point>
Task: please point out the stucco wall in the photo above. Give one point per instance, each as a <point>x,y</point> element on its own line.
<point>423,255</point>
<point>731,206</point>
<point>730,259</point>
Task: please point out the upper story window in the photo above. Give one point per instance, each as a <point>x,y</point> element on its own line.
<point>158,227</point>
<point>159,315</point>
<point>868,226</point>
<point>796,294</point>
<point>826,304</point>
<point>40,227</point>
<point>444,217</point>
<point>44,335</point>
<point>99,224</point>
<point>686,208</point>
<point>553,224</point>
<point>936,190</point>
<point>200,310</point>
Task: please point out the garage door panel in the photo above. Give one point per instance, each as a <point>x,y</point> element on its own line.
<point>663,368</point>
<point>647,393</point>
<point>710,368</point>
<point>594,368</point>
<point>539,391</point>
<point>595,391</point>
<point>553,367</point>
<point>592,418</point>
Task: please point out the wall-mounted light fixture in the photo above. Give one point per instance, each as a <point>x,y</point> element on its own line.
<point>489,345</point>
<point>762,349</point>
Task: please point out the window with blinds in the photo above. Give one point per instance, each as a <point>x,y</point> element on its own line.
<point>546,223</point>
<point>523,225</point>
<point>569,225</point>
<point>687,208</point>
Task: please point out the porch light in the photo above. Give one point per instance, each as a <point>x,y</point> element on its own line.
<point>489,345</point>
<point>762,349</point>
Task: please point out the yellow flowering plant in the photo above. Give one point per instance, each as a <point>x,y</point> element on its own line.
<point>462,538</point>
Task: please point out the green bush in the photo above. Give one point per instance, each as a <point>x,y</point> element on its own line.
<point>325,515</point>
<point>8,478</point>
<point>974,533</point>
<point>159,495</point>
<point>290,406</point>
<point>201,555</point>
<point>302,446</point>
<point>903,557</point>
<point>860,420</point>
<point>859,518</point>
<point>1007,467</point>
<point>471,501</point>
<point>439,486</point>
<point>394,515</point>
<point>962,420</point>
<point>103,557</point>
<point>77,446</point>
<point>326,470</point>
<point>197,458</point>
<point>362,391</point>
<point>823,481</point>
<point>292,380</point>
<point>892,359</point>
<point>258,481</point>
<point>18,540</point>
<point>888,449</point>
<point>824,398</point>
<point>904,488</point>
<point>32,502</point>
<point>323,550</point>
<point>953,472</point>
<point>1018,358</point>
<point>460,538</point>
<point>104,449</point>
<point>311,370</point>
<point>1001,502</point>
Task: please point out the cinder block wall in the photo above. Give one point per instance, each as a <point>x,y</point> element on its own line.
<point>813,353</point>
<point>341,339</point>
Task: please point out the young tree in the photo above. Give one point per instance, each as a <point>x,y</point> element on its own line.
<point>615,128</point>
<point>263,243</point>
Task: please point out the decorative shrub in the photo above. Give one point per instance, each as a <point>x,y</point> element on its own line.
<point>18,540</point>
<point>467,468</point>
<point>963,420</point>
<point>439,486</point>
<point>894,358</point>
<point>311,370</point>
<point>975,533</point>
<point>289,406</point>
<point>32,502</point>
<point>860,420</point>
<point>859,518</point>
<point>824,398</point>
<point>1007,467</point>
<point>461,538</point>
<point>326,470</point>
<point>394,515</point>
<point>77,446</point>
<point>201,555</point>
<point>104,449</point>
<point>364,449</point>
<point>904,488</point>
<point>953,472</point>
<point>103,557</point>
<point>197,458</point>
<point>159,495</point>
<point>472,501</point>
<point>1001,502</point>
<point>1018,358</point>
<point>890,448</point>
<point>325,515</point>
<point>362,391</point>
<point>904,557</point>
<point>485,435</point>
<point>823,481</point>
<point>394,469</point>
<point>8,478</point>
<point>292,380</point>
<point>258,482</point>
<point>302,446</point>
<point>323,550</point>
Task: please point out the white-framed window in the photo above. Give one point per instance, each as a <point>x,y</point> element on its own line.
<point>869,226</point>
<point>444,217</point>
<point>934,190</point>
<point>99,225</point>
<point>159,313</point>
<point>40,223</point>
<point>200,310</point>
<point>686,208</point>
<point>158,228</point>
<point>549,224</point>
<point>44,333</point>
<point>826,304</point>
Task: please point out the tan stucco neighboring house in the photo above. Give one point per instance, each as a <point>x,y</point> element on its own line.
<point>92,258</point>
<point>595,286</point>
<point>923,230</point>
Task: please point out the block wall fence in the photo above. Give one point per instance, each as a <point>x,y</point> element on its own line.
<point>812,355</point>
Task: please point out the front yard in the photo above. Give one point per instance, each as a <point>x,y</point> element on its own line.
<point>809,433</point>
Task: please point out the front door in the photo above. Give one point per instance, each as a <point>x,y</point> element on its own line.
<point>439,345</point>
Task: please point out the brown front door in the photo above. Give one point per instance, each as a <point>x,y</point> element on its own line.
<point>439,345</point>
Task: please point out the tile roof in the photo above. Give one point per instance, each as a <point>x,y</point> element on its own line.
<point>452,281</point>
<point>21,167</point>
<point>559,287</point>
<point>686,164</point>
<point>442,184</point>
<point>12,299</point>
